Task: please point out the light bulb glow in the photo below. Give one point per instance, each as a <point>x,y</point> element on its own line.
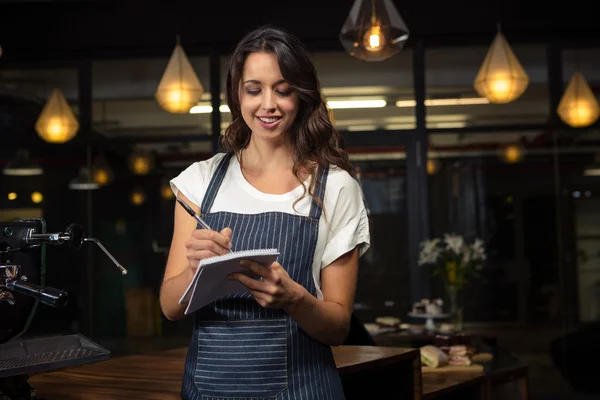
<point>138,198</point>
<point>432,166</point>
<point>579,106</point>
<point>166,192</point>
<point>101,176</point>
<point>500,85</point>
<point>56,123</point>
<point>512,154</point>
<point>141,165</point>
<point>37,197</point>
<point>374,39</point>
<point>179,99</point>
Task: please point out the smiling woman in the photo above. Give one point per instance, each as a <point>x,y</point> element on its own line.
<point>283,182</point>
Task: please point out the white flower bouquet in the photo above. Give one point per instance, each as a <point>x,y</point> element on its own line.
<point>452,258</point>
<point>455,261</point>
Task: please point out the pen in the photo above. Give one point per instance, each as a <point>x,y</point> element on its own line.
<point>193,214</point>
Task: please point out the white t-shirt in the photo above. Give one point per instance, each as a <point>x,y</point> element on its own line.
<point>343,225</point>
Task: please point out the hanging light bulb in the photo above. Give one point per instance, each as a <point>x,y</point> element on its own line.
<point>57,123</point>
<point>137,196</point>
<point>501,78</point>
<point>22,165</point>
<point>579,106</point>
<point>433,166</point>
<point>512,153</point>
<point>37,197</point>
<point>373,31</point>
<point>83,181</point>
<point>165,191</point>
<point>102,173</point>
<point>179,88</point>
<point>141,162</point>
<point>374,39</point>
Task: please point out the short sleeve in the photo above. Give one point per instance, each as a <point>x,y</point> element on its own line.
<point>347,220</point>
<point>193,181</point>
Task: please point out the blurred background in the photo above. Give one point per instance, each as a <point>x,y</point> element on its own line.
<point>483,122</point>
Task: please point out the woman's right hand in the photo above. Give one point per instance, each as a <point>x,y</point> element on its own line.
<point>204,243</point>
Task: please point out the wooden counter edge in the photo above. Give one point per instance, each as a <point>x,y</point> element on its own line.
<point>377,356</point>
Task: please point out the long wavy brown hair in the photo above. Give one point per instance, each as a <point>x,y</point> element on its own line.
<point>313,138</point>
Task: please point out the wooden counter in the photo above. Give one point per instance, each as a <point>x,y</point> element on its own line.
<point>365,371</point>
<point>463,385</point>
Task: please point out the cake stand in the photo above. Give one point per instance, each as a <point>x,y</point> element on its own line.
<point>430,318</point>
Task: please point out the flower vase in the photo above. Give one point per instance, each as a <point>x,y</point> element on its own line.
<point>456,312</point>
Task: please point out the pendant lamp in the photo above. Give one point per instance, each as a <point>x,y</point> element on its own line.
<point>102,173</point>
<point>141,162</point>
<point>137,197</point>
<point>83,181</point>
<point>512,153</point>
<point>501,78</point>
<point>57,123</point>
<point>579,106</point>
<point>22,165</point>
<point>373,31</point>
<point>179,88</point>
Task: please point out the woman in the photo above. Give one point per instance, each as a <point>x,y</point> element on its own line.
<point>283,182</point>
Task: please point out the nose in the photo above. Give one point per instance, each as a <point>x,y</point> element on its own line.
<point>268,102</point>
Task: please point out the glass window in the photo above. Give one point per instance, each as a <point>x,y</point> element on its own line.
<point>453,102</point>
<point>124,103</point>
<point>363,95</point>
<point>383,283</point>
<point>584,192</point>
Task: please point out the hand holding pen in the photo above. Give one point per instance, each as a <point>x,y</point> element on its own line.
<point>205,243</point>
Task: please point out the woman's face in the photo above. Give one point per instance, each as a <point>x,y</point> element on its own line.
<point>269,105</point>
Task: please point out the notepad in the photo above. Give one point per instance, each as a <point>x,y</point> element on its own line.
<point>210,280</point>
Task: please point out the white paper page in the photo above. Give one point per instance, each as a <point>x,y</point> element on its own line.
<point>213,282</point>
<point>188,292</point>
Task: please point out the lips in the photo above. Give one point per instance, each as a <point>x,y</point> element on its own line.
<point>268,122</point>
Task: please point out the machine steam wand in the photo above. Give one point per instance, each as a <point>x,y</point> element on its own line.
<point>73,235</point>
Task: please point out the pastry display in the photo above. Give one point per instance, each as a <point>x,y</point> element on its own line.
<point>416,329</point>
<point>452,355</point>
<point>433,357</point>
<point>460,355</point>
<point>447,328</point>
<point>428,307</point>
<point>387,322</point>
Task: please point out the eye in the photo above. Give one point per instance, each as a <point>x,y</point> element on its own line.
<point>284,92</point>
<point>252,92</point>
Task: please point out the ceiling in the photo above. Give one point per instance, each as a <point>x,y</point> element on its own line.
<point>75,29</point>
<point>130,41</point>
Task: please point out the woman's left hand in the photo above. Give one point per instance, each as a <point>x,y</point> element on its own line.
<point>275,289</point>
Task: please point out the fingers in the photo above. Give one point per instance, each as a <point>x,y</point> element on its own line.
<point>217,237</point>
<point>251,283</point>
<point>260,270</point>
<point>263,299</point>
<point>197,255</point>
<point>227,232</point>
<point>212,242</point>
<point>206,245</point>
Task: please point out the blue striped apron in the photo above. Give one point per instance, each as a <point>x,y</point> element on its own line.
<point>241,350</point>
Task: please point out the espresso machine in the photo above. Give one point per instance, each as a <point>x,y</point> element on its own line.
<point>22,289</point>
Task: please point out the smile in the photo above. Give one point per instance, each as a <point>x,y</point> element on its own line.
<point>269,122</point>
